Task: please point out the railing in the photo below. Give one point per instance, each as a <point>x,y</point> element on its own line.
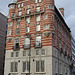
<point>15,48</point>
<point>38,45</point>
<point>26,46</point>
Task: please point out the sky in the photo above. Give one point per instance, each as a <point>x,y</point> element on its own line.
<point>69,11</point>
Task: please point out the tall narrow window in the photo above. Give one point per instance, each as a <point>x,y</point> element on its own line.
<point>59,44</point>
<point>21,4</point>
<point>18,5</point>
<point>28,20</point>
<point>40,66</point>
<point>40,0</point>
<point>38,40</point>
<point>25,66</point>
<point>17,31</point>
<point>12,54</point>
<point>27,42</point>
<point>9,32</point>
<point>64,46</point>
<point>38,28</point>
<point>14,66</point>
<point>27,29</point>
<point>18,22</point>
<point>16,42</point>
<point>38,18</point>
<point>19,13</point>
<point>28,11</point>
<point>36,1</point>
<point>37,9</point>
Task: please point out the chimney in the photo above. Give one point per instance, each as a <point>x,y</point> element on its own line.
<point>62,11</point>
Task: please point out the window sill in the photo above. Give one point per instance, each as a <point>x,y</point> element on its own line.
<point>24,73</point>
<point>40,72</point>
<point>13,72</point>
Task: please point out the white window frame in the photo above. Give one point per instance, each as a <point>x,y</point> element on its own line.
<point>37,9</point>
<point>27,29</point>
<point>9,32</point>
<point>22,4</point>
<point>18,5</point>
<point>37,27</point>
<point>36,1</point>
<point>28,20</point>
<point>39,66</point>
<point>10,24</point>
<point>38,18</point>
<point>19,13</point>
<point>28,11</point>
<point>46,27</point>
<point>40,0</point>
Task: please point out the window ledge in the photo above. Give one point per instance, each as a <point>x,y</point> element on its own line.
<point>13,72</point>
<point>25,73</point>
<point>40,72</point>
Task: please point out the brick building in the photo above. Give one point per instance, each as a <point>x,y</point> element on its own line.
<point>3,25</point>
<point>37,26</point>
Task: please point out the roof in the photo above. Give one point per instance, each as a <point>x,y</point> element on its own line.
<point>60,16</point>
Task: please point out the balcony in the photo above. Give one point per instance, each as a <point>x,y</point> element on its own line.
<point>26,46</point>
<point>38,45</point>
<point>16,47</point>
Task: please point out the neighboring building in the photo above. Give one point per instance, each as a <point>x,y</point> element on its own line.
<point>73,53</point>
<point>37,25</point>
<point>3,25</point>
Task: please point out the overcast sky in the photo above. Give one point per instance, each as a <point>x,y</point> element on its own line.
<point>68,5</point>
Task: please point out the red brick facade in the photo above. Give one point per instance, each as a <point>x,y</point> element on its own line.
<point>58,29</point>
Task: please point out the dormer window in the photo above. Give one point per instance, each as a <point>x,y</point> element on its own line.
<point>37,9</point>
<point>38,1</point>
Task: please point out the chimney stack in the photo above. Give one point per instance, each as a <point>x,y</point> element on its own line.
<point>62,11</point>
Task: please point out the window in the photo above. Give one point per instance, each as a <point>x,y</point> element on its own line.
<point>36,1</point>
<point>17,31</point>
<point>37,9</point>
<point>46,27</point>
<point>50,6</point>
<point>11,6</point>
<point>9,32</point>
<point>19,13</point>
<point>38,18</point>
<point>28,11</point>
<point>64,46</point>
<point>56,67</point>
<point>40,66</point>
<point>42,52</point>
<point>18,22</point>
<point>59,43</point>
<point>45,17</point>
<point>25,66</point>
<point>18,5</point>
<point>16,42</point>
<point>12,54</point>
<point>17,54</point>
<point>38,28</point>
<point>24,53</point>
<point>27,41</point>
<point>10,24</point>
<point>14,66</point>
<point>39,0</point>
<point>28,20</point>
<point>21,4</point>
<point>37,52</point>
<point>13,15</point>
<point>38,40</point>
<point>27,29</point>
